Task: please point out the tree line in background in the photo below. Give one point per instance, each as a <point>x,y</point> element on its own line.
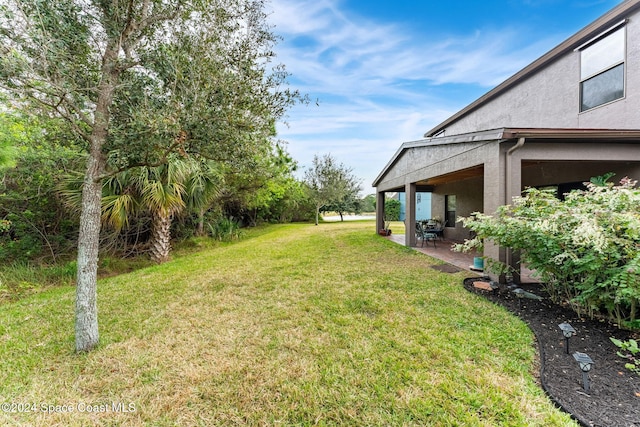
<point>145,207</point>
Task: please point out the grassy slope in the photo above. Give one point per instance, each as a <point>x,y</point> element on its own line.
<point>297,325</point>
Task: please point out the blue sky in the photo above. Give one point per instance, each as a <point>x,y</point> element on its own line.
<point>385,72</point>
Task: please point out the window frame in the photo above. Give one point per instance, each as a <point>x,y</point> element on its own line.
<point>621,26</point>
<point>448,213</point>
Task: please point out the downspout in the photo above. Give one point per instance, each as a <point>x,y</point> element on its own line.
<point>507,182</point>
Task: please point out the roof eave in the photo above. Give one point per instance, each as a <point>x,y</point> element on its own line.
<point>486,135</point>
<point>572,134</point>
<point>506,134</point>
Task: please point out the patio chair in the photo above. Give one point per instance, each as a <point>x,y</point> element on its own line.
<point>424,234</point>
<point>440,229</point>
<point>436,228</point>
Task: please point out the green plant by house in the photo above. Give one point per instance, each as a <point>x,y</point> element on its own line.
<point>392,209</point>
<point>633,354</point>
<point>585,249</point>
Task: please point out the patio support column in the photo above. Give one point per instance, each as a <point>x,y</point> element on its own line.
<point>513,188</point>
<point>410,215</point>
<point>380,196</point>
<point>493,197</point>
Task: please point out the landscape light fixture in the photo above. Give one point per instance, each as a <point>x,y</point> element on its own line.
<point>585,363</point>
<point>568,332</point>
<point>520,294</point>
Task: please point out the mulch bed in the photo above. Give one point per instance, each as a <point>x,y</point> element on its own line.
<point>614,396</point>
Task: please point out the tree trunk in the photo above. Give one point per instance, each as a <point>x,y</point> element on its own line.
<point>86,326</point>
<point>200,227</point>
<point>161,237</point>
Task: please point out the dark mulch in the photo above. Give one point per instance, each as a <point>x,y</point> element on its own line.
<point>614,396</point>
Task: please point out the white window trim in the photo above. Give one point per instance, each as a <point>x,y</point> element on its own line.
<point>588,43</point>
<point>601,35</point>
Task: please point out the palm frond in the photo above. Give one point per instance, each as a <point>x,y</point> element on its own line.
<point>117,208</point>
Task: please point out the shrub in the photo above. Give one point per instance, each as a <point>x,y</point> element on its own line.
<point>33,222</point>
<point>225,229</point>
<point>585,249</point>
<point>392,210</point>
<point>21,278</point>
<point>633,355</point>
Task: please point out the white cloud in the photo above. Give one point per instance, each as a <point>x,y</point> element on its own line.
<point>363,136</point>
<point>345,56</point>
<point>299,17</point>
<point>377,84</point>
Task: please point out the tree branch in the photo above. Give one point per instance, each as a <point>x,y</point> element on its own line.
<point>162,160</point>
<point>127,38</point>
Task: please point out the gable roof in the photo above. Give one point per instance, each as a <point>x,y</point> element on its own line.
<point>509,134</point>
<point>616,14</point>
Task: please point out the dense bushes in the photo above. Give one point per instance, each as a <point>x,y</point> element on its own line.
<point>392,209</point>
<point>225,229</point>
<point>34,222</point>
<point>40,204</point>
<point>585,249</point>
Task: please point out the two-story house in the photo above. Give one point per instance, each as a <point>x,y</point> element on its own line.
<point>572,114</point>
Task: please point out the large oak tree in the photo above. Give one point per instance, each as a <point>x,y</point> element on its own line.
<point>139,80</point>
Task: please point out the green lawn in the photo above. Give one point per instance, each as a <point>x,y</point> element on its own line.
<point>294,325</point>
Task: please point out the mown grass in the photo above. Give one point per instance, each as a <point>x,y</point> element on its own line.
<point>19,279</point>
<point>295,325</point>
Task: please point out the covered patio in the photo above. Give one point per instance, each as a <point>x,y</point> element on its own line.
<point>480,171</point>
<point>443,251</point>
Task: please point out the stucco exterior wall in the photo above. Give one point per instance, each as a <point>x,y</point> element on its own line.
<point>487,155</point>
<point>542,164</point>
<point>551,98</point>
<point>420,163</point>
<point>469,199</point>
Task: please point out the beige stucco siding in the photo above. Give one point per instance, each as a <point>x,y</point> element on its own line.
<point>421,163</point>
<point>469,197</point>
<point>550,98</point>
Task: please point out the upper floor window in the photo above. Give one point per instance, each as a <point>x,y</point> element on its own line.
<point>602,70</point>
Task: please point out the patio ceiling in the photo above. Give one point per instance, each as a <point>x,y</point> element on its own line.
<point>474,172</point>
<point>478,172</point>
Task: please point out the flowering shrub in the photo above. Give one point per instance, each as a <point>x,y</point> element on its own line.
<point>585,249</point>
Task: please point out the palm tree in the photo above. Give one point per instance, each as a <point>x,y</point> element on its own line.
<point>203,186</point>
<point>160,191</point>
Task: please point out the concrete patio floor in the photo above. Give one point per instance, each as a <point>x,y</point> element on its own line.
<point>443,252</point>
